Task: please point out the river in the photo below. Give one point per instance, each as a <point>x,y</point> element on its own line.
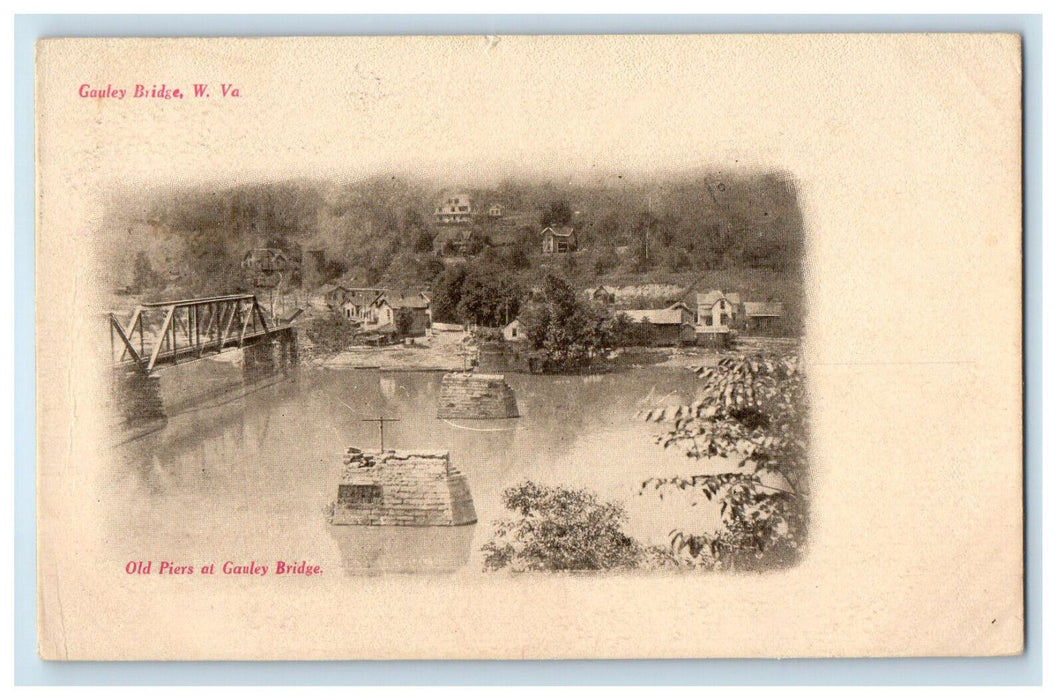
<point>248,477</point>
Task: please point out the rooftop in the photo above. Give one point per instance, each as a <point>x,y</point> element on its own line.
<point>716,295</point>
<point>764,308</point>
<point>656,316</point>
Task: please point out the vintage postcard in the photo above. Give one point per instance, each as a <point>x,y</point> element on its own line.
<point>529,347</point>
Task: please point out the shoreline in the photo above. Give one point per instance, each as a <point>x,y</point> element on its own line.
<point>430,360</point>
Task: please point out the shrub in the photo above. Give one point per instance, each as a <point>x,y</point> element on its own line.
<point>560,529</point>
<point>331,333</point>
<point>752,407</point>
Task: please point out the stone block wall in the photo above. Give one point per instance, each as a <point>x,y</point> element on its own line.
<point>136,398</point>
<point>475,396</point>
<point>402,488</point>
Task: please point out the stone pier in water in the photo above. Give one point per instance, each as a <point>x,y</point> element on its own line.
<point>476,396</point>
<point>417,488</point>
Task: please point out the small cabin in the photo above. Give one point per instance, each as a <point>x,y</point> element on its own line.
<point>764,318</point>
<point>514,332</point>
<point>559,240</point>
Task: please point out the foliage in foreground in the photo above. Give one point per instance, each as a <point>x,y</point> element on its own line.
<point>752,408</point>
<point>560,529</point>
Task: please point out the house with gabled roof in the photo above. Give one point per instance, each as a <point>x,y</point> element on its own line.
<point>671,326</point>
<point>455,209</point>
<point>763,317</point>
<point>559,239</point>
<point>514,331</point>
<point>603,294</point>
<point>389,304</point>
<point>717,309</point>
<point>355,303</point>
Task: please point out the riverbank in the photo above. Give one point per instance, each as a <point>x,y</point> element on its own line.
<point>441,352</point>
<point>453,351</point>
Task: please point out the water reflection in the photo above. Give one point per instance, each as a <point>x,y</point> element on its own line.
<point>366,550</point>
<point>249,477</point>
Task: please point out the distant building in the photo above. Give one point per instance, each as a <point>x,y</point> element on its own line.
<point>356,304</point>
<point>717,309</point>
<point>267,267</point>
<point>334,295</point>
<point>495,211</point>
<point>603,294</point>
<point>452,241</point>
<point>319,298</point>
<point>764,317</point>
<point>456,209</point>
<point>514,332</point>
<point>559,240</point>
<point>389,304</point>
<point>350,311</point>
<point>672,326</point>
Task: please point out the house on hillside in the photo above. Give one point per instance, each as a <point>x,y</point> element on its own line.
<point>265,260</point>
<point>267,267</point>
<point>764,317</point>
<point>561,239</point>
<point>495,211</point>
<point>514,331</point>
<point>349,311</point>
<point>689,314</point>
<point>452,241</point>
<point>455,209</point>
<point>363,300</point>
<point>672,326</point>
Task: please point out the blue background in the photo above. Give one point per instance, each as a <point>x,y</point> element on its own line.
<point>30,670</point>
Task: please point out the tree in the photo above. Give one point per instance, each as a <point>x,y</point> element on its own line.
<point>331,333</point>
<point>145,278</point>
<point>478,293</point>
<point>423,241</point>
<point>517,258</point>
<point>752,408</point>
<point>447,294</point>
<point>605,261</point>
<point>477,242</point>
<point>404,321</point>
<point>567,331</point>
<point>489,297</point>
<point>560,529</point>
<point>559,213</point>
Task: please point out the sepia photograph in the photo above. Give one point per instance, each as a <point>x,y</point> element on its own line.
<point>529,347</point>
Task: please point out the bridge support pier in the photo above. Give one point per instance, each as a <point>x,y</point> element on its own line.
<point>136,401</point>
<point>278,355</point>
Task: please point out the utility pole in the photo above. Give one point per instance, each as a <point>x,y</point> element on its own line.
<point>646,230</point>
<point>380,421</point>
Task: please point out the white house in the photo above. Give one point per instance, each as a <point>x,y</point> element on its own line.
<point>514,331</point>
<point>717,309</point>
<point>455,209</point>
<point>350,311</point>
